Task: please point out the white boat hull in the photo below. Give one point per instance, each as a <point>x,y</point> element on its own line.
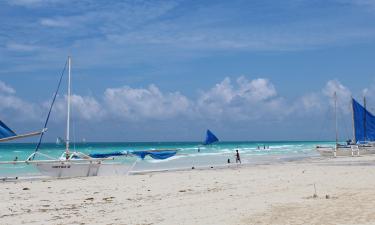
<point>81,169</point>
<point>346,151</point>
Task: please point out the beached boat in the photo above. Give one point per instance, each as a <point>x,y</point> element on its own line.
<point>363,142</point>
<point>72,164</point>
<point>77,164</point>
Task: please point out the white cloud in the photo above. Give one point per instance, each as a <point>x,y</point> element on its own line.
<point>4,88</point>
<point>31,3</point>
<point>342,92</point>
<point>16,108</point>
<point>82,107</point>
<point>21,47</point>
<point>148,103</point>
<point>58,22</point>
<point>247,100</point>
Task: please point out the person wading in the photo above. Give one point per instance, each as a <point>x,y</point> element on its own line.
<point>238,158</point>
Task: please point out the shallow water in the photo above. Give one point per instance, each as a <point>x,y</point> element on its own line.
<point>188,155</point>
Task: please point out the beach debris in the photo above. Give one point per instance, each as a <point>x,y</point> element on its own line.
<point>192,167</point>
<point>89,199</point>
<point>108,199</point>
<point>328,197</point>
<point>25,188</point>
<point>315,194</point>
<point>182,191</point>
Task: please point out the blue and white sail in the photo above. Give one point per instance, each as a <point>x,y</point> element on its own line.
<point>364,123</point>
<point>7,134</point>
<point>5,131</point>
<point>210,138</point>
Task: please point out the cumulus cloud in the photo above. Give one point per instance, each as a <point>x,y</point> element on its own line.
<point>240,100</point>
<point>342,92</point>
<point>4,88</point>
<point>82,107</point>
<point>13,106</point>
<point>147,103</point>
<point>246,99</point>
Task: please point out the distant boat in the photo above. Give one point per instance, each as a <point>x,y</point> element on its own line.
<point>60,141</point>
<point>363,142</point>
<point>210,138</point>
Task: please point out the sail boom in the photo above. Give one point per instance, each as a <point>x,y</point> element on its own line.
<point>20,136</point>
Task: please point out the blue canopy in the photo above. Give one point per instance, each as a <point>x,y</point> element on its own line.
<point>5,131</point>
<point>364,123</point>
<point>210,138</point>
<point>155,154</point>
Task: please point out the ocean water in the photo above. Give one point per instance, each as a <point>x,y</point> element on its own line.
<point>187,156</point>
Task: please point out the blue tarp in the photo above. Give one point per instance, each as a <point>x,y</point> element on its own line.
<point>155,154</point>
<point>210,138</point>
<point>5,131</point>
<point>364,123</point>
<point>106,155</point>
<point>159,154</point>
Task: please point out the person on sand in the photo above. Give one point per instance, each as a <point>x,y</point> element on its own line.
<point>238,158</point>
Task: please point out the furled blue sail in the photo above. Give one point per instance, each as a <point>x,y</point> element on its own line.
<point>5,131</point>
<point>107,154</point>
<point>155,154</point>
<point>364,123</point>
<point>210,138</point>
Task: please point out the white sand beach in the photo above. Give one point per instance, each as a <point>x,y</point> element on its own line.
<point>280,193</point>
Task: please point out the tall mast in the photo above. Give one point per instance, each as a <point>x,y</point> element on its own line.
<point>337,137</point>
<point>68,113</point>
<point>354,139</point>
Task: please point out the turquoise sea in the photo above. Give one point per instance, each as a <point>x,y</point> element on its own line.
<point>187,156</point>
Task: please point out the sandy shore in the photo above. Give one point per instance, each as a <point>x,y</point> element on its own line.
<point>262,194</point>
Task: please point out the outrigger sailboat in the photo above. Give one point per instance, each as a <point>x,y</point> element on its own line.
<point>363,142</point>
<point>77,164</point>
<point>73,163</point>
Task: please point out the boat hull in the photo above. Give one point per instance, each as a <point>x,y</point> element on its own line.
<point>81,169</point>
<point>346,151</point>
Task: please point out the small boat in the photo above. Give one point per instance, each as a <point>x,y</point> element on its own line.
<point>363,142</point>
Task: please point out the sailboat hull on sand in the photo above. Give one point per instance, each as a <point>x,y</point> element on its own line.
<point>363,135</point>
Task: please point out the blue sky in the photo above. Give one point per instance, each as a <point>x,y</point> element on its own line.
<point>167,70</point>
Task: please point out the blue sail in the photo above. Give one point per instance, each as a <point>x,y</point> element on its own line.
<point>364,123</point>
<point>5,131</point>
<point>210,138</point>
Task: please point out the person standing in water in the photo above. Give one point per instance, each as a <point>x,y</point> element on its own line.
<point>238,158</point>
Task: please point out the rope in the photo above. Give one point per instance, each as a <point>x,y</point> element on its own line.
<point>50,109</point>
